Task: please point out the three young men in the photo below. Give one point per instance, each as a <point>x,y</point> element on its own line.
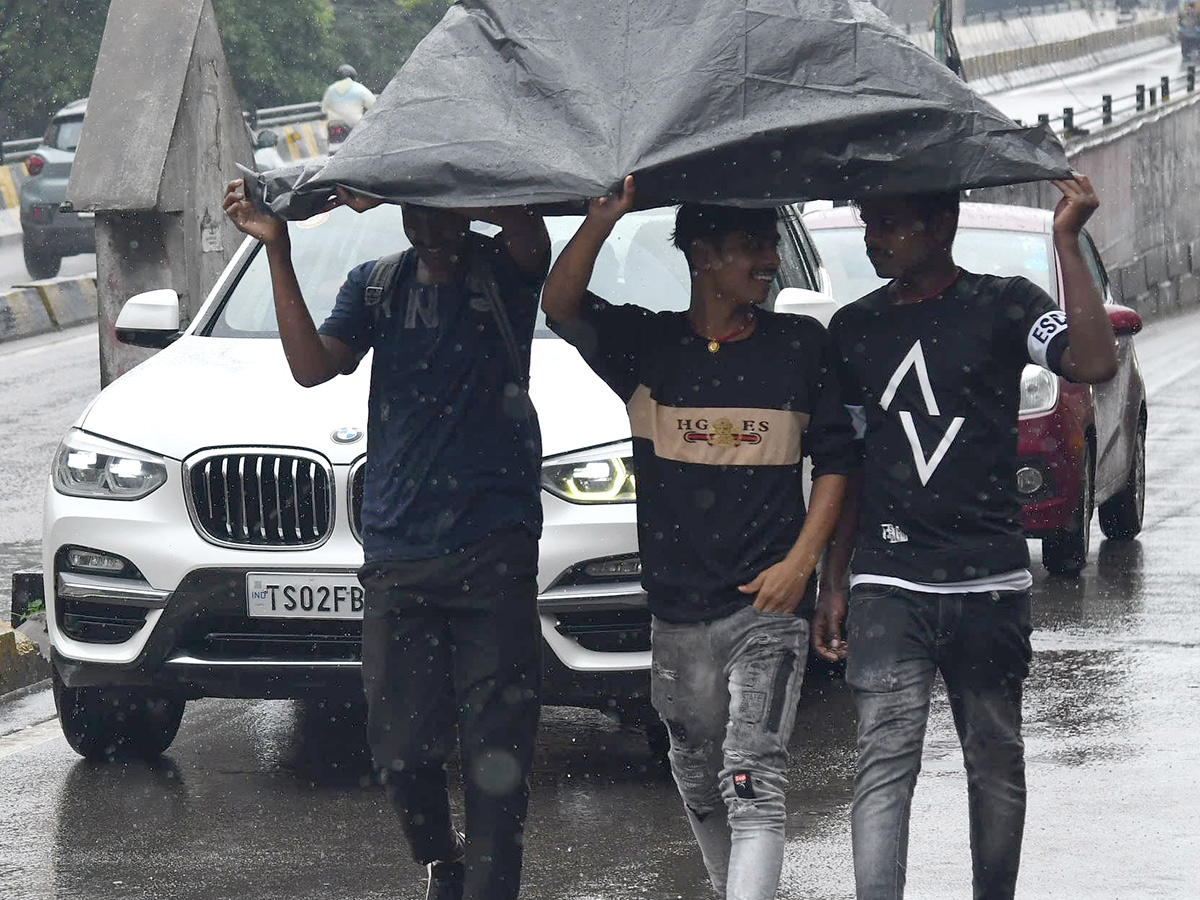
<point>450,520</point>
<point>723,400</point>
<point>930,365</point>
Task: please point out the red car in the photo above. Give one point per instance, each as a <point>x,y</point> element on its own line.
<point>1081,447</point>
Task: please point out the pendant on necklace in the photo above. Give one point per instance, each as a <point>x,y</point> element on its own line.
<point>713,346</point>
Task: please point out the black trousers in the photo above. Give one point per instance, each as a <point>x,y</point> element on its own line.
<point>454,641</point>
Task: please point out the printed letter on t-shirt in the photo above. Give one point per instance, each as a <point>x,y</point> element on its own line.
<point>915,359</point>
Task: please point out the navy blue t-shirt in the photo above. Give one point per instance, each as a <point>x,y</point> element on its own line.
<point>453,449</point>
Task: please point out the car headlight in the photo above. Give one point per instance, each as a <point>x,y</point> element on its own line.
<point>88,466</point>
<point>1039,390</point>
<point>600,475</point>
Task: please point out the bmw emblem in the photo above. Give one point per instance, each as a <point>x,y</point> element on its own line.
<point>347,435</point>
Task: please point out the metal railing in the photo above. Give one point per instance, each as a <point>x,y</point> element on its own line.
<point>1026,9</point>
<point>1081,121</point>
<point>16,151</point>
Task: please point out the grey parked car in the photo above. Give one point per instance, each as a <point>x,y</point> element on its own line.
<point>49,233</point>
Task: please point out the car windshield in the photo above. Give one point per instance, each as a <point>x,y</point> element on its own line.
<point>991,251</point>
<point>638,263</point>
<point>64,134</point>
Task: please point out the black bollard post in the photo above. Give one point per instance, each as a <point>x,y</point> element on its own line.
<point>1165,88</point>
<point>1191,79</point>
<point>1068,120</point>
<point>1141,97</point>
<point>1106,109</point>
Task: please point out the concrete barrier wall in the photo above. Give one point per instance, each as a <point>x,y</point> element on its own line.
<point>44,306</point>
<point>1025,49</point>
<point>1148,226</point>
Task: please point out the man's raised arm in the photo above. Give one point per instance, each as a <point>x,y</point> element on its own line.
<point>568,280</point>
<point>313,358</point>
<point>1091,354</point>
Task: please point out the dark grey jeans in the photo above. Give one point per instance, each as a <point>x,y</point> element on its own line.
<point>727,691</point>
<point>454,641</point>
<point>980,643</point>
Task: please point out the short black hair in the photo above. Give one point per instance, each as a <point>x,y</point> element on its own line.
<point>926,205</point>
<point>703,221</point>
<point>346,71</point>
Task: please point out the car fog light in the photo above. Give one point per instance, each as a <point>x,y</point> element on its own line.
<point>624,567</point>
<point>1029,480</point>
<point>82,560</point>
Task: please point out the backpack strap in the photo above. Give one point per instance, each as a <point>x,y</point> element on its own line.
<point>482,280</point>
<point>381,283</point>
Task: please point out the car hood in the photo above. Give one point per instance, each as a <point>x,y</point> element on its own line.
<point>204,392</point>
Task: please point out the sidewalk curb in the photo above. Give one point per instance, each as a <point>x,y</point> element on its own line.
<point>50,305</point>
<point>21,663</point>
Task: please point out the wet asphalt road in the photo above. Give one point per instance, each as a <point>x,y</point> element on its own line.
<point>12,265</point>
<point>272,800</point>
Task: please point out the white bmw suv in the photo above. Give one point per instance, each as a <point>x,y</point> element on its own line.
<point>201,520</point>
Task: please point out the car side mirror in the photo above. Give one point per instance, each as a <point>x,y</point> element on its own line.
<point>1125,321</point>
<point>150,319</point>
<point>266,138</point>
<point>803,302</point>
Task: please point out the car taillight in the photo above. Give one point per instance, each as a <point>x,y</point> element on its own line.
<point>34,164</point>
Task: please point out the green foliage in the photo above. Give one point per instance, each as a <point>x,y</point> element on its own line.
<point>280,52</point>
<point>48,50</point>
<point>377,36</point>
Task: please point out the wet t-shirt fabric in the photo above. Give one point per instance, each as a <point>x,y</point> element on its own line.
<point>935,389</point>
<point>718,441</point>
<point>453,449</point>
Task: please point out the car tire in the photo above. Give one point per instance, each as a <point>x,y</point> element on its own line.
<point>1065,551</point>
<point>117,723</point>
<point>1121,515</point>
<point>40,263</point>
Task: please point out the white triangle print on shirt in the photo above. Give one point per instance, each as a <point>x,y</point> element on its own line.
<point>915,359</point>
<point>926,467</point>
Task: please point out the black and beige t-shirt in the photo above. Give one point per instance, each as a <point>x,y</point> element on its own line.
<point>718,440</point>
<point>935,390</point>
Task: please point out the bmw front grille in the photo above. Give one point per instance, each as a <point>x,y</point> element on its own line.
<point>254,497</point>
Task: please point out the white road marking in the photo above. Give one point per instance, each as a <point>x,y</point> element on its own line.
<point>14,743</point>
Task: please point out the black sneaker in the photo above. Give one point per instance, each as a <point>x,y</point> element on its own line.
<point>446,878</point>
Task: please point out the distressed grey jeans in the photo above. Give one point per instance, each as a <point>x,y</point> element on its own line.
<point>727,691</point>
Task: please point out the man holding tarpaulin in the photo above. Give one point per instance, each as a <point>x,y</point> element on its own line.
<point>451,516</point>
<point>723,401</point>
<point>931,367</point>
<point>512,102</point>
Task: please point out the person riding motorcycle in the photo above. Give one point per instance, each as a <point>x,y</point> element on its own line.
<point>344,103</point>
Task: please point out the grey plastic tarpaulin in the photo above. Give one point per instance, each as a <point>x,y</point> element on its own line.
<point>749,102</point>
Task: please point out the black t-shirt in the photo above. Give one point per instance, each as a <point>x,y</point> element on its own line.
<point>937,386</point>
<point>449,457</point>
<point>717,444</point>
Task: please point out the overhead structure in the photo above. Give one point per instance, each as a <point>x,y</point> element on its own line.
<point>164,132</point>
<point>752,103</point>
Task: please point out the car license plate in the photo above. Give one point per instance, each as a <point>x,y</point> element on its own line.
<point>279,595</point>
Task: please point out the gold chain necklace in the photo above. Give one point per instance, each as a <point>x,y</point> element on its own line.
<point>714,344</point>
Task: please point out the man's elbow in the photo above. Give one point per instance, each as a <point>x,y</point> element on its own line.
<point>1096,371</point>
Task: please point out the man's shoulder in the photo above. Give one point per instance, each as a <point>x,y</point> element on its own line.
<point>803,331</point>
<point>859,310</point>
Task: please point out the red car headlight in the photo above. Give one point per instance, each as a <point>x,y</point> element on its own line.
<point>1039,390</point>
